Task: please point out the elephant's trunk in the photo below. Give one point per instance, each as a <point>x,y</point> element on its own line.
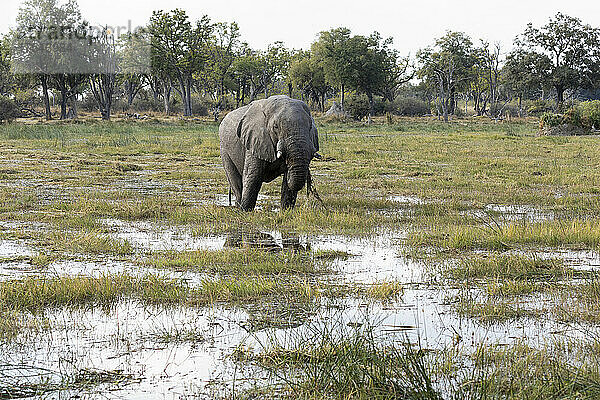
<point>298,159</point>
<point>297,176</point>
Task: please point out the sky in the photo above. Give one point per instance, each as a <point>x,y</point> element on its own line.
<point>412,24</point>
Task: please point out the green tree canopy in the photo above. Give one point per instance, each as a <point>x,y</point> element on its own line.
<point>180,49</point>
<point>570,48</point>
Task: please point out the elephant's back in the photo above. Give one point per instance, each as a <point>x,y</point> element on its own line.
<point>229,125</point>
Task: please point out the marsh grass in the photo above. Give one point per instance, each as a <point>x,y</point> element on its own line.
<point>492,309</point>
<point>35,294</point>
<point>90,242</point>
<point>13,323</point>
<point>524,372</point>
<point>238,261</point>
<point>386,291</point>
<point>552,233</point>
<point>338,362</point>
<point>44,382</point>
<point>510,267</point>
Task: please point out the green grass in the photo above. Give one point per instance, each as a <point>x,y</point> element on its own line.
<point>344,363</point>
<point>70,176</point>
<point>35,294</point>
<point>511,267</point>
<point>238,261</point>
<point>523,372</point>
<point>553,233</point>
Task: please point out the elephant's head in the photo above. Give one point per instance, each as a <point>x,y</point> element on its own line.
<point>281,128</point>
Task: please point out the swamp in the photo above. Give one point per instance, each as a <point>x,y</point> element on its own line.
<point>443,261</point>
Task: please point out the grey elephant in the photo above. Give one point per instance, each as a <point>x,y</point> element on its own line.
<point>266,139</point>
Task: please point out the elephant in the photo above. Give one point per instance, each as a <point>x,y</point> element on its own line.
<point>263,140</point>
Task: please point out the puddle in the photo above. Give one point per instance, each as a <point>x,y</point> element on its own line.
<point>413,200</point>
<point>223,200</point>
<point>518,212</point>
<point>149,236</point>
<point>584,260</point>
<point>12,248</point>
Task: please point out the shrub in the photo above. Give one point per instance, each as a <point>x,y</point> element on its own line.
<point>380,107</point>
<point>357,106</point>
<point>539,107</point>
<point>409,106</point>
<point>142,104</point>
<point>589,114</point>
<point>550,120</point>
<point>8,109</point>
<point>586,115</point>
<point>88,104</point>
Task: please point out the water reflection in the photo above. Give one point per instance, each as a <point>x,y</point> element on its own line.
<point>265,241</point>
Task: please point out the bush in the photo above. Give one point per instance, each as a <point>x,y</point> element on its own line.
<point>8,110</point>
<point>550,120</point>
<point>539,107</point>
<point>357,106</point>
<point>409,106</point>
<point>88,104</point>
<point>588,113</point>
<point>143,104</point>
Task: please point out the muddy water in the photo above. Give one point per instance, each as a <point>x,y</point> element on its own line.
<point>177,352</point>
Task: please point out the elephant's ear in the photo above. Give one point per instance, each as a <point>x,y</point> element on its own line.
<point>254,133</point>
<point>314,134</point>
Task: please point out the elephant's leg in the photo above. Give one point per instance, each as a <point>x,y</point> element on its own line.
<point>252,182</point>
<point>250,194</point>
<point>288,197</point>
<point>234,178</point>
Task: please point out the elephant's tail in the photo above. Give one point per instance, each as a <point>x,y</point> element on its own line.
<point>229,197</point>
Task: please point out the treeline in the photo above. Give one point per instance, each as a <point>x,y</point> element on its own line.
<point>199,67</point>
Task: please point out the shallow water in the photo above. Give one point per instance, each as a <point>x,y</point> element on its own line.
<point>171,352</point>
<point>174,352</point>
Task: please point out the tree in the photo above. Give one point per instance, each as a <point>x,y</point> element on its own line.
<point>525,72</point>
<point>247,71</point>
<point>135,66</point>
<point>180,49</point>
<point>6,78</point>
<point>222,50</point>
<point>486,83</point>
<point>36,48</point>
<point>332,51</point>
<point>307,75</point>
<point>397,72</point>
<point>102,84</point>
<point>569,47</point>
<point>274,64</point>
<point>447,68</point>
<point>369,56</point>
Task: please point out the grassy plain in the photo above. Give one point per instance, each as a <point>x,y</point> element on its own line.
<point>481,204</point>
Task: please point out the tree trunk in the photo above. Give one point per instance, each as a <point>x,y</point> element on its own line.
<point>44,81</point>
<point>452,105</point>
<point>188,94</point>
<point>63,104</point>
<point>370,97</point>
<point>520,106</point>
<point>560,97</point>
<point>342,96</point>
<point>168,89</point>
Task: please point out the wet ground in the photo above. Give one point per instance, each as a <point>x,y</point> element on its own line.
<point>179,352</point>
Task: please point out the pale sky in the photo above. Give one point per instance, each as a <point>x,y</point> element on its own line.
<point>412,24</point>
